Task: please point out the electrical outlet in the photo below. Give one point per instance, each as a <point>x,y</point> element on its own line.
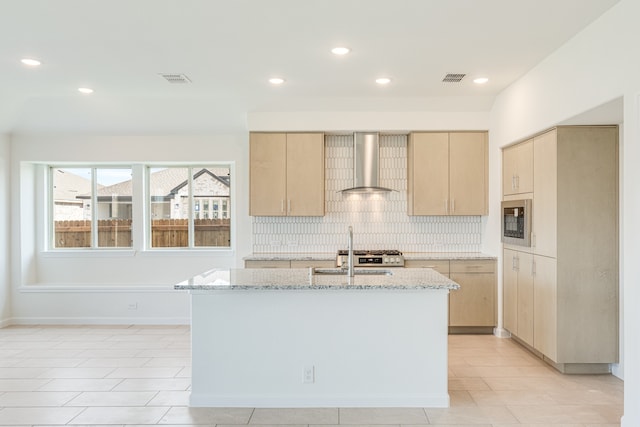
<point>308,375</point>
<point>133,306</point>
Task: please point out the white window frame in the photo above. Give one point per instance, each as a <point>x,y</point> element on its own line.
<point>93,167</point>
<point>190,216</point>
<point>141,224</point>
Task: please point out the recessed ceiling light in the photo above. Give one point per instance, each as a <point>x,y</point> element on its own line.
<point>85,90</point>
<point>30,62</point>
<point>480,80</point>
<point>340,50</point>
<point>383,80</point>
<point>276,80</point>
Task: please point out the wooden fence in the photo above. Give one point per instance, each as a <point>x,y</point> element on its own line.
<point>165,233</point>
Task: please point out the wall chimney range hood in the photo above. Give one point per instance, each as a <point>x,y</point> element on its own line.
<point>366,164</point>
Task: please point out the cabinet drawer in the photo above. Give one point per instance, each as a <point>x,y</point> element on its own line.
<point>473,266</point>
<point>312,263</point>
<point>267,264</point>
<point>439,265</point>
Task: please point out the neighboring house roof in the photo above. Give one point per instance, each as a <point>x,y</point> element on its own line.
<point>68,186</point>
<point>224,180</point>
<point>171,179</point>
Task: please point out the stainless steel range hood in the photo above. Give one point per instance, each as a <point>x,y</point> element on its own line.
<point>366,164</point>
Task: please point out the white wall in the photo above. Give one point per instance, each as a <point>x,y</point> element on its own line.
<point>105,286</point>
<point>598,65</point>
<point>5,287</point>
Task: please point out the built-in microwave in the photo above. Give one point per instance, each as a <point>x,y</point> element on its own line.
<point>516,222</point>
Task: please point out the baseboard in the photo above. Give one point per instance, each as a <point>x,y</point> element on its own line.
<point>5,322</point>
<point>319,401</point>
<point>501,333</point>
<point>470,330</point>
<point>99,321</point>
<point>567,368</point>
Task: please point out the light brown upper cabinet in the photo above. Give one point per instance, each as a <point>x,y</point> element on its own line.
<point>447,173</point>
<point>517,168</point>
<point>545,197</point>
<point>286,174</point>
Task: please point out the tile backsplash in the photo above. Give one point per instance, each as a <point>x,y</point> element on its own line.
<point>379,221</point>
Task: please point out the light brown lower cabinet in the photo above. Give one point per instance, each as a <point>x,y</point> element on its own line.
<point>474,304</point>
<point>472,308</point>
<point>539,313</point>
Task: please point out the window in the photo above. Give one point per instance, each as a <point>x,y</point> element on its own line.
<point>91,207</point>
<point>179,200</point>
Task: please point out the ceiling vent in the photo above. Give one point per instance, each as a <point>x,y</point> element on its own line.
<point>453,78</point>
<point>176,78</point>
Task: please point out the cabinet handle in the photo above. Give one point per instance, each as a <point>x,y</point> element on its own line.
<point>453,205</point>
<point>446,206</point>
<point>513,182</point>
<point>282,205</point>
<point>288,205</point>
<point>517,182</point>
<point>533,239</point>
<point>514,263</point>
<point>533,267</point>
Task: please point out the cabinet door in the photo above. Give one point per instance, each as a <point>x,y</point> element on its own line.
<point>474,303</point>
<point>510,290</point>
<point>517,168</point>
<point>305,174</point>
<point>428,173</point>
<point>268,174</point>
<point>545,307</point>
<point>468,173</point>
<point>525,297</point>
<point>545,194</point>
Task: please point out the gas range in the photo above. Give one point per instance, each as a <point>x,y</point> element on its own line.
<point>373,258</point>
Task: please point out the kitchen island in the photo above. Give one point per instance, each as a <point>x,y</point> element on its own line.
<point>313,338</point>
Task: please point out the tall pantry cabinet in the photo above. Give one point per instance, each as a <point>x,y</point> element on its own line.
<point>561,294</point>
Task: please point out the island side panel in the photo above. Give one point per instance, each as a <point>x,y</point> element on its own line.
<point>380,348</point>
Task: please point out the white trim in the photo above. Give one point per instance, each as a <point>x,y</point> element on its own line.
<point>320,401</point>
<point>126,253</point>
<point>100,321</point>
<point>5,322</point>
<point>99,288</point>
<point>88,253</point>
<point>227,252</point>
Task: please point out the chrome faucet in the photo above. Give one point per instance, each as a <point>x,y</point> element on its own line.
<point>350,271</point>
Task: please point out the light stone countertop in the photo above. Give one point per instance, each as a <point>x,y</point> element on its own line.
<point>302,279</point>
<point>323,256</point>
<point>457,256</point>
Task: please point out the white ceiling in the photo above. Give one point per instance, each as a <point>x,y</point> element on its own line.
<point>230,48</point>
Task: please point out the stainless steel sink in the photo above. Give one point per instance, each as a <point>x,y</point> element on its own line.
<point>358,271</point>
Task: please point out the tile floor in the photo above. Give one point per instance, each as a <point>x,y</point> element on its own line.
<point>140,375</point>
